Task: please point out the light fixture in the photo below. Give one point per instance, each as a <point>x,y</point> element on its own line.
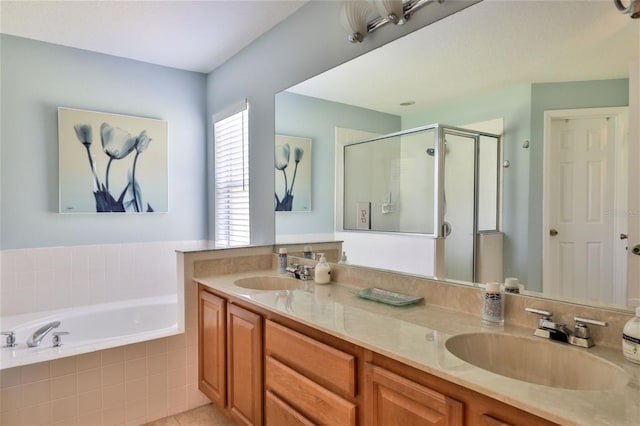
<point>355,15</point>
<point>633,8</point>
<point>390,9</point>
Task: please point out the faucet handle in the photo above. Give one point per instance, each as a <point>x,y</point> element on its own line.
<point>582,330</point>
<point>546,314</point>
<point>10,342</point>
<point>56,341</point>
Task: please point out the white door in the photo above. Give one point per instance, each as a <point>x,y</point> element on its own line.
<point>585,206</point>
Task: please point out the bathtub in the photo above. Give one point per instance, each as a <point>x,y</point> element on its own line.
<point>91,328</point>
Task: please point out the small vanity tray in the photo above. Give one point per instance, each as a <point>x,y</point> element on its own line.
<point>388,297</point>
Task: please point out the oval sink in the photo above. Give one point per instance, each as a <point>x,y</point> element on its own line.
<point>269,283</point>
<point>537,361</point>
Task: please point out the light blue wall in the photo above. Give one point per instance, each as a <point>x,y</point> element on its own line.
<point>513,105</point>
<point>37,78</point>
<point>305,44</point>
<point>552,96</point>
<point>317,119</point>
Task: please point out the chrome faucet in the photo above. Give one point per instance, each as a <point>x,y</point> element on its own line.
<point>548,329</point>
<point>301,272</point>
<point>36,338</point>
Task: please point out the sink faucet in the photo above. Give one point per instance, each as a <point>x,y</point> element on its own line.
<point>38,335</point>
<point>301,272</point>
<point>552,330</point>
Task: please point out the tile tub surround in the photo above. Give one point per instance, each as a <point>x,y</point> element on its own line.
<point>128,385</point>
<point>415,336</point>
<point>48,278</point>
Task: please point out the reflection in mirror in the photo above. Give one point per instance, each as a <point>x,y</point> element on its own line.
<point>513,62</point>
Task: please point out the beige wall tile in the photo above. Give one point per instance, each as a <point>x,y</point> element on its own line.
<point>135,389</point>
<point>135,369</point>
<point>176,378</point>
<point>11,398</point>
<point>89,361</point>
<point>64,386</point>
<point>112,356</point>
<point>63,366</point>
<point>135,412</point>
<point>89,380</point>
<point>62,409</point>
<point>40,414</point>
<point>176,400</point>
<point>176,342</point>
<point>35,372</point>
<point>177,358</point>
<point>135,351</point>
<point>113,396</point>
<point>157,364</point>
<point>93,418</point>
<point>155,347</point>
<point>113,416</point>
<point>36,393</point>
<point>10,377</point>
<point>89,401</point>
<point>113,374</point>
<point>157,386</point>
<point>11,418</point>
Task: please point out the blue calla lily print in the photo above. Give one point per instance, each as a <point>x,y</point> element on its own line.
<point>123,153</point>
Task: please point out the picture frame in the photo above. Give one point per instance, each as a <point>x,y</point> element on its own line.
<point>111,163</point>
<point>293,159</point>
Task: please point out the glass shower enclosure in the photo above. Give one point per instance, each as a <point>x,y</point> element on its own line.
<point>437,180</point>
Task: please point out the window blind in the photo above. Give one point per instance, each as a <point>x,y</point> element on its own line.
<point>231,177</point>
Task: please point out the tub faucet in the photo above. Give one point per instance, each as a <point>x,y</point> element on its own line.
<point>38,335</point>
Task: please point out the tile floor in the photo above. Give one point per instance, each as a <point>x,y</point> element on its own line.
<point>207,415</point>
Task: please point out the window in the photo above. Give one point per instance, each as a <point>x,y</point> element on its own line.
<point>231,177</point>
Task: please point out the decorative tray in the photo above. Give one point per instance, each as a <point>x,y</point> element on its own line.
<point>388,297</point>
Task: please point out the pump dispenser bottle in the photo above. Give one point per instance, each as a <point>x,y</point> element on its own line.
<point>323,271</point>
<point>631,338</point>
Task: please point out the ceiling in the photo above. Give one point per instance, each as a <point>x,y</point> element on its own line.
<point>490,45</point>
<point>190,35</point>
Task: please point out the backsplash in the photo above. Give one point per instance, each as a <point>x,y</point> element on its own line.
<point>42,279</point>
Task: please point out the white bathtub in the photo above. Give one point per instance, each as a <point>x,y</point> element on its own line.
<point>91,328</point>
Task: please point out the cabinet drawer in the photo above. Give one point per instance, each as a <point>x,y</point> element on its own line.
<point>307,397</point>
<point>326,365</point>
<point>279,413</point>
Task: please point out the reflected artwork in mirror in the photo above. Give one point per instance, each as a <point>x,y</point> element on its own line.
<point>540,74</point>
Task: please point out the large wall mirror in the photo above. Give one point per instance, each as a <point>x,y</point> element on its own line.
<point>553,79</point>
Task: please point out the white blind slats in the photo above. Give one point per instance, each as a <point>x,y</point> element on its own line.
<point>232,225</point>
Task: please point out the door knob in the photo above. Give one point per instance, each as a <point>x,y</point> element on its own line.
<point>623,236</point>
<point>553,232</point>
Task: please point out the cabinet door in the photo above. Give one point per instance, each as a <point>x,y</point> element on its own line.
<point>212,347</point>
<point>279,413</point>
<point>391,399</point>
<point>244,352</point>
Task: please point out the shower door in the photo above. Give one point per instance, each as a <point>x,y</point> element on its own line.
<point>459,205</point>
<point>471,195</point>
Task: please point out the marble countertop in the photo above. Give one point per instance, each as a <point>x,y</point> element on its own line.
<point>416,336</point>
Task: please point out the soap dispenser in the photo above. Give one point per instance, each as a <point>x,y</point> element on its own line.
<point>323,270</point>
<point>631,338</point>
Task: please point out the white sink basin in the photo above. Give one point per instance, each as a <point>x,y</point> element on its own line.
<point>269,283</point>
<point>537,361</point>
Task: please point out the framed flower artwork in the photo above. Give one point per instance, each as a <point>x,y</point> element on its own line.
<point>293,174</point>
<point>110,163</point>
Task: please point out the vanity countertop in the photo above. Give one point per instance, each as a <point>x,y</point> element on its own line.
<point>416,335</point>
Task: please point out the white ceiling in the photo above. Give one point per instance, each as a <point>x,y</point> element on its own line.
<point>189,35</point>
<point>490,45</point>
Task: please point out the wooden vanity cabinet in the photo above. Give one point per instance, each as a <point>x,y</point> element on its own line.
<point>395,400</point>
<point>307,381</point>
<point>212,347</point>
<point>230,358</point>
<point>261,368</point>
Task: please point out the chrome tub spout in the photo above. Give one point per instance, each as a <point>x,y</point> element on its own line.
<point>38,335</point>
